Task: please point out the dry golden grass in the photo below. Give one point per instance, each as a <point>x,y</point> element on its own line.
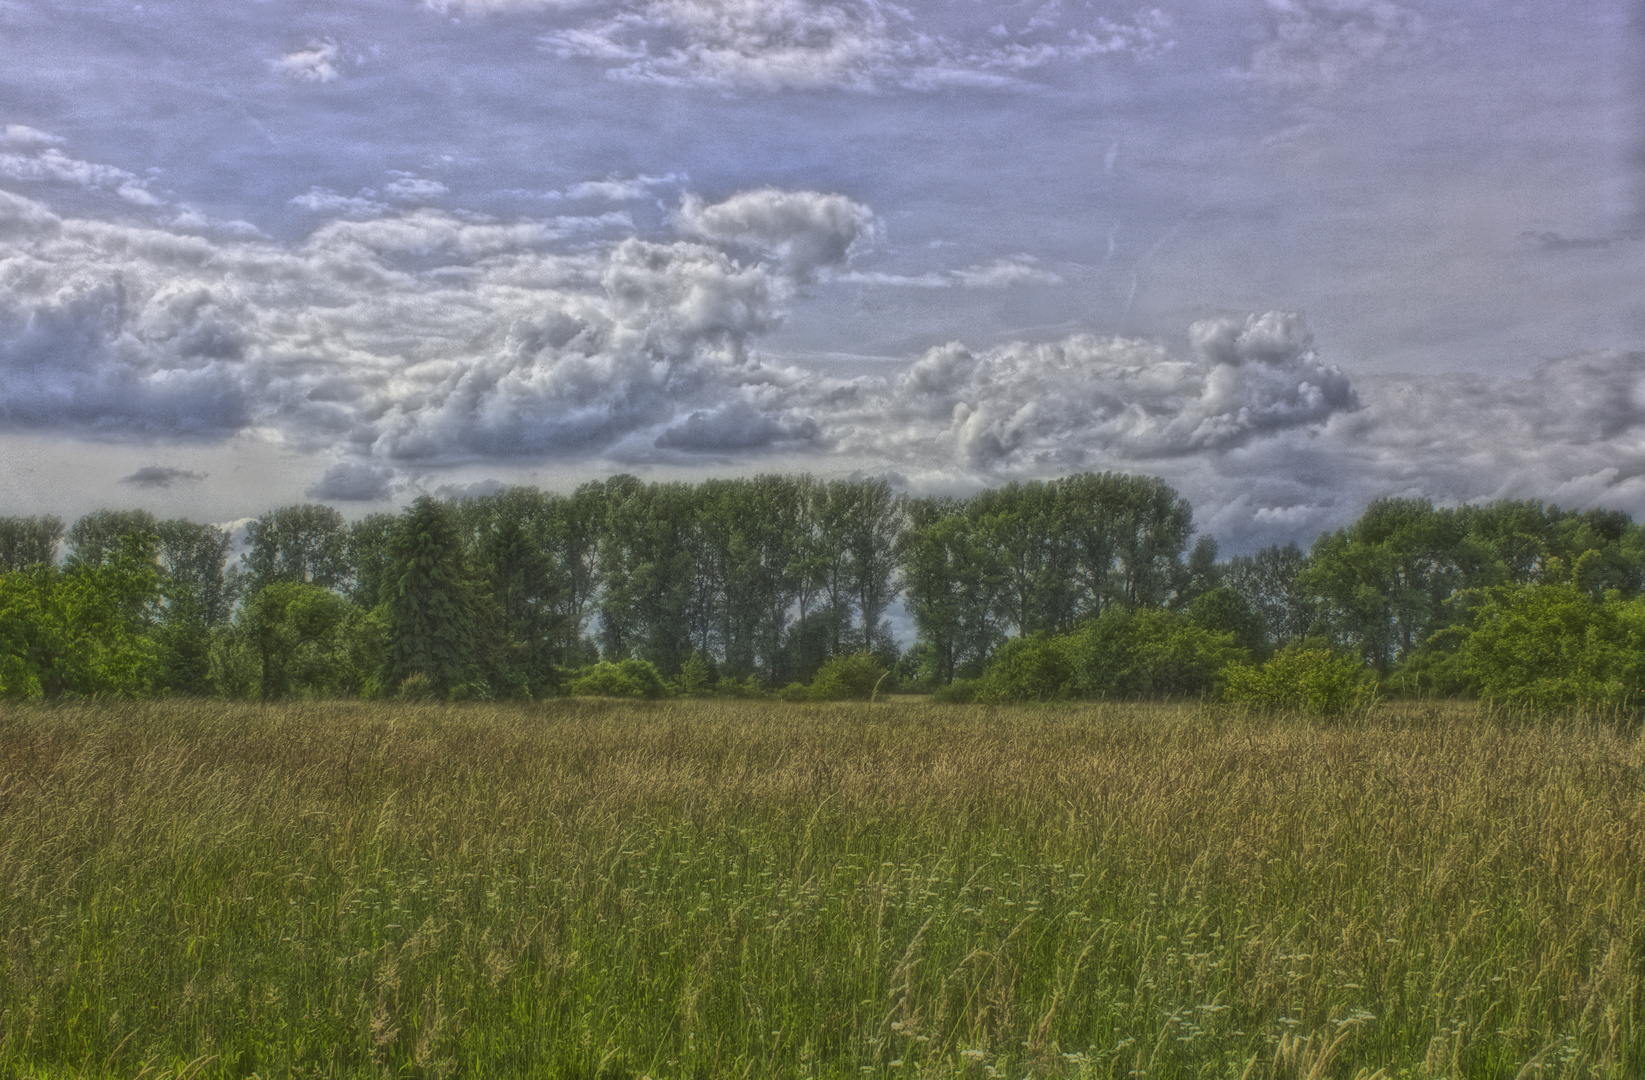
<point>586,888</point>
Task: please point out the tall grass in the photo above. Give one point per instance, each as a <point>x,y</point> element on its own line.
<point>736,889</point>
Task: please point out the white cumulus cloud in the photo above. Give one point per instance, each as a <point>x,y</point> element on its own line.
<point>51,165</point>
<point>321,200</point>
<point>23,137</point>
<point>313,64</point>
<point>859,45</point>
<point>415,189</point>
<point>1075,402</point>
<point>616,188</point>
<point>420,338</point>
<point>804,230</point>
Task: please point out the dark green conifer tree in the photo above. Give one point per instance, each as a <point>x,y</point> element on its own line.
<point>430,609</point>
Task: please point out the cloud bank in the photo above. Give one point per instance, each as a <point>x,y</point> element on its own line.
<point>394,348</point>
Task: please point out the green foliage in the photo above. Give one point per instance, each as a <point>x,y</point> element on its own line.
<point>429,604</point>
<point>1201,573</point>
<point>183,648</point>
<point>1121,655</point>
<point>855,677</point>
<point>748,688</point>
<point>417,687</point>
<point>530,555</point>
<point>307,543</point>
<point>1268,583</point>
<point>100,535</point>
<point>197,595</point>
<point>1400,575</point>
<point>295,639</point>
<point>696,677</point>
<point>80,632</point>
<point>647,553</point>
<point>624,679</point>
<point>1040,557</point>
<point>1434,670</point>
<point>366,549</point>
<point>769,579</point>
<point>951,584</point>
<point>1148,654</point>
<point>1223,610</point>
<point>958,692</point>
<point>1320,681</point>
<point>28,541</point>
<point>1037,668</point>
<point>1557,648</point>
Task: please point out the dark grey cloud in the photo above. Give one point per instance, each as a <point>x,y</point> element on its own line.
<point>75,361</point>
<point>473,490</point>
<point>356,481</point>
<point>161,476</point>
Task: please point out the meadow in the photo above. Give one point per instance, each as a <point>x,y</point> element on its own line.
<point>587,888</point>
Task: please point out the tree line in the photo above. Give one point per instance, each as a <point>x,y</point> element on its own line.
<point>762,582</point>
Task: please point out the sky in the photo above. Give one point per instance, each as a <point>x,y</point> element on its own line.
<point>1290,255</point>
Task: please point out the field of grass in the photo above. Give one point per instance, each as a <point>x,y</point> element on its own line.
<point>745,889</point>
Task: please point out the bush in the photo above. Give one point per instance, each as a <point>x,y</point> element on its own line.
<point>1034,668</point>
<point>849,678</point>
<point>417,687</point>
<point>696,677</point>
<point>1556,648</point>
<point>1434,670</point>
<point>1148,654</point>
<point>625,679</point>
<point>1315,680</point>
<point>749,688</point>
<point>1122,654</point>
<point>79,632</point>
<point>958,692</point>
<point>479,690</point>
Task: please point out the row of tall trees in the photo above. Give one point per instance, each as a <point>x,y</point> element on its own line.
<point>1039,557</point>
<point>765,578</point>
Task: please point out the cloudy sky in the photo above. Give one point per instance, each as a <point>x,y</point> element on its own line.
<point>1291,255</point>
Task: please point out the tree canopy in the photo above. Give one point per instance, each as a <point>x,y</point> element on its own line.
<point>1092,585</point>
